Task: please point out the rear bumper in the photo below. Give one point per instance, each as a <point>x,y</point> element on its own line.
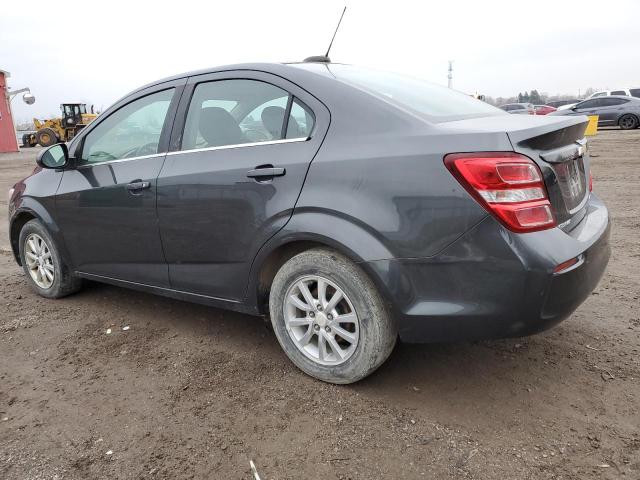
<point>492,283</point>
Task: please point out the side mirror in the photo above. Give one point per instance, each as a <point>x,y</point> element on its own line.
<point>574,108</point>
<point>56,156</point>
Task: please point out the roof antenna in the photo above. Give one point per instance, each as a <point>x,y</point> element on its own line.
<point>325,58</point>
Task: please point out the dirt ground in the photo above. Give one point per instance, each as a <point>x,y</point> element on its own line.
<point>193,392</point>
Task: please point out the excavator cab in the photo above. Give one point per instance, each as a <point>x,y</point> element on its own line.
<point>72,114</point>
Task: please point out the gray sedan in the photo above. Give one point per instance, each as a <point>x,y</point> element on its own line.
<point>351,206</point>
<point>612,110</point>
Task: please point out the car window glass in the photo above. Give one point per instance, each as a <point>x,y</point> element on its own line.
<point>609,102</point>
<point>635,92</point>
<point>233,112</point>
<point>599,94</point>
<point>432,101</point>
<point>133,130</point>
<point>589,104</point>
<point>255,126</point>
<point>300,121</point>
<point>618,92</point>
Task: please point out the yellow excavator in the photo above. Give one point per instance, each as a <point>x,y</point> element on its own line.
<point>58,130</point>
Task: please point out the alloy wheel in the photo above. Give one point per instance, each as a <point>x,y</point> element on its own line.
<point>37,255</point>
<point>321,320</point>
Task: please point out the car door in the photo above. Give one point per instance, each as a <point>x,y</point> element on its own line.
<point>610,110</point>
<point>241,148</point>
<point>106,203</point>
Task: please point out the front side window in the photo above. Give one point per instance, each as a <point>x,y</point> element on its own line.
<point>635,92</point>
<point>238,111</point>
<point>589,104</point>
<point>132,131</point>
<point>618,92</point>
<point>599,94</point>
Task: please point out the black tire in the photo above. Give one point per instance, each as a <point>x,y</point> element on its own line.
<point>46,137</point>
<point>64,282</point>
<point>628,122</point>
<point>26,140</point>
<point>377,330</point>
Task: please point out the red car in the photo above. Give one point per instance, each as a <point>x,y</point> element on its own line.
<point>544,109</point>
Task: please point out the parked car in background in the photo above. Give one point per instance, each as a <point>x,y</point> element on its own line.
<point>561,103</point>
<point>519,108</point>
<point>544,109</point>
<point>611,110</point>
<point>351,206</point>
<point>628,92</point>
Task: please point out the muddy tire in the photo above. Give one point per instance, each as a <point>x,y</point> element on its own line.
<point>329,317</point>
<point>46,272</point>
<point>46,137</point>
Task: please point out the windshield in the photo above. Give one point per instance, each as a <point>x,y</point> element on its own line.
<point>435,102</point>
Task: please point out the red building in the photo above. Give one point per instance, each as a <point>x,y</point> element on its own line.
<point>8,140</point>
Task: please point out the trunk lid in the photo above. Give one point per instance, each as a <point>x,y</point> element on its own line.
<point>557,145</point>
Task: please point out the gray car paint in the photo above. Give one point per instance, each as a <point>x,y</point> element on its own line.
<point>370,182</point>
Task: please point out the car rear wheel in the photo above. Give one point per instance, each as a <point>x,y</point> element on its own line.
<point>329,318</point>
<point>42,264</point>
<point>628,122</point>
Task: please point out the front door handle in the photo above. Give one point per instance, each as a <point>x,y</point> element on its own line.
<point>266,171</point>
<point>138,185</point>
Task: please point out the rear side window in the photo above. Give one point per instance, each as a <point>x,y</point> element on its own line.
<point>635,92</point>
<point>434,102</point>
<point>618,92</point>
<point>610,102</point>
<point>238,111</point>
<point>132,131</point>
<point>300,121</point>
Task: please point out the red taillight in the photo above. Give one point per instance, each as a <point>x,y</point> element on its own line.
<point>590,182</point>
<point>508,185</point>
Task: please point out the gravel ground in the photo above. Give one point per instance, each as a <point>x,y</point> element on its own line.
<point>194,392</point>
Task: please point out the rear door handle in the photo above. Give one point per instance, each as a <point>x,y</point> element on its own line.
<point>266,171</point>
<point>138,185</point>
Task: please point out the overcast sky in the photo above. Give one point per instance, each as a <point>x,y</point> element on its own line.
<point>97,51</point>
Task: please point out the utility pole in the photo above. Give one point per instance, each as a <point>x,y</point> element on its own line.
<point>450,75</point>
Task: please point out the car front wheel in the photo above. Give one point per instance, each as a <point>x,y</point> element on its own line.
<point>329,318</point>
<point>47,273</point>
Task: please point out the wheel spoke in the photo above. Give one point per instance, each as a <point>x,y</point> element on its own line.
<point>322,347</point>
<point>322,292</point>
<point>299,322</point>
<point>335,347</point>
<point>306,293</point>
<point>32,245</point>
<point>346,318</point>
<point>348,336</point>
<point>48,274</point>
<point>31,256</point>
<point>337,296</point>
<point>306,338</point>
<point>299,304</point>
<point>48,266</point>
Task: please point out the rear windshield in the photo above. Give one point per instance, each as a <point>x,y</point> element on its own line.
<point>437,103</point>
